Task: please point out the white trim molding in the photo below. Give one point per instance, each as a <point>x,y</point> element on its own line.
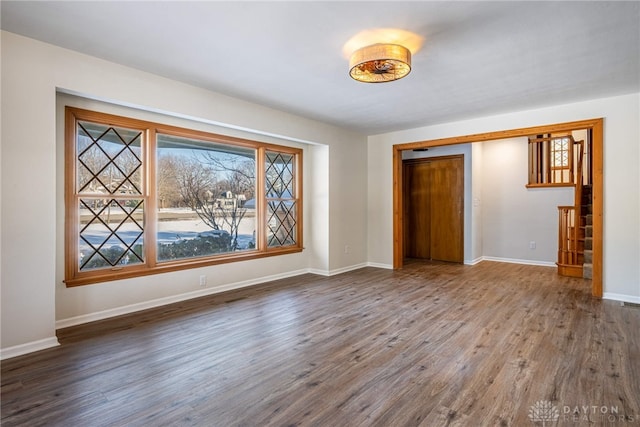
<point>127,309</point>
<point>621,297</point>
<point>379,265</point>
<point>347,269</point>
<point>118,311</point>
<point>30,347</point>
<point>517,261</point>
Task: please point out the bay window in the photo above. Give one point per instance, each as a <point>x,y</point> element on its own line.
<point>144,198</point>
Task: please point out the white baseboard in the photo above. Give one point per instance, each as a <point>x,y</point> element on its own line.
<point>319,272</point>
<point>621,297</point>
<point>105,314</point>
<point>347,269</point>
<point>474,261</point>
<point>518,261</point>
<point>30,347</point>
<point>379,265</point>
<point>328,273</point>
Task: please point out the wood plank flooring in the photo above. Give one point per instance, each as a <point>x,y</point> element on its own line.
<point>433,344</point>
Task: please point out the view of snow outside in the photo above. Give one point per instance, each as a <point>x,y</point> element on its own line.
<point>172,230</point>
<point>202,188</point>
<point>185,225</point>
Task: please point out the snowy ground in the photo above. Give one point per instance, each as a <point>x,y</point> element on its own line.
<point>170,231</point>
<point>185,224</point>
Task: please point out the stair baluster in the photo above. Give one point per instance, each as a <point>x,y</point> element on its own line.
<point>571,231</point>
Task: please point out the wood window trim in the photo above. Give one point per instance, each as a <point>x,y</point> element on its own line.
<point>74,277</point>
<point>596,126</point>
<point>550,185</point>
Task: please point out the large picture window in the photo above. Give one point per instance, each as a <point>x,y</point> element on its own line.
<point>144,198</point>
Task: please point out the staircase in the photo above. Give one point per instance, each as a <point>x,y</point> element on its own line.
<point>575,232</point>
<point>587,221</point>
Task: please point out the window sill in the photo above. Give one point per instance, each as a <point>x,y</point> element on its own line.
<point>139,271</point>
<point>547,185</point>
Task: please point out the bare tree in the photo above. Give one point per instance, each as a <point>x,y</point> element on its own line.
<point>204,184</point>
<point>240,173</point>
<point>198,184</point>
<point>166,183</point>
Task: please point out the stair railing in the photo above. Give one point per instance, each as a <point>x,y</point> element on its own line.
<point>569,218</point>
<point>567,236</point>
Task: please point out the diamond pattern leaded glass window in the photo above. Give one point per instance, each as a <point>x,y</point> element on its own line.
<point>109,190</point>
<point>280,185</point>
<point>111,234</point>
<point>560,153</point>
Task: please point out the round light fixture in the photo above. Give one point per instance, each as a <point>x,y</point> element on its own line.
<point>379,63</point>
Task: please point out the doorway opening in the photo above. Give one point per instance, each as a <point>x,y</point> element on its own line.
<point>595,126</point>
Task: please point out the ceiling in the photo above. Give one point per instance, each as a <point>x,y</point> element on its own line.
<point>478,58</point>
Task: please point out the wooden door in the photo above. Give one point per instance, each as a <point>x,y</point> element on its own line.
<point>433,208</point>
<point>417,230</point>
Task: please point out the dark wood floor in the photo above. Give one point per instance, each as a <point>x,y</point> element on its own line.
<point>430,345</point>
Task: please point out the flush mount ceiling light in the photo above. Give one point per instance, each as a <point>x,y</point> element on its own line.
<point>380,55</point>
<point>379,63</point>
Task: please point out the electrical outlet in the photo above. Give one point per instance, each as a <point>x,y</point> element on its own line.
<point>347,249</point>
<point>532,245</point>
<point>203,280</point>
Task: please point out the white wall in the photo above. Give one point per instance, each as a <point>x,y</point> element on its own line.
<point>347,190</point>
<point>513,215</point>
<point>621,257</point>
<point>316,191</point>
<point>476,202</point>
<point>33,297</point>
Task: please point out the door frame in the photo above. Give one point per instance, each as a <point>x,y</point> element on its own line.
<point>462,213</point>
<point>595,125</point>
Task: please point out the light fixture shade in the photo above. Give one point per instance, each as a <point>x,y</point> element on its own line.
<point>380,63</point>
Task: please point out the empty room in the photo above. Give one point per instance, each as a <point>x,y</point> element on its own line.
<point>309,213</point>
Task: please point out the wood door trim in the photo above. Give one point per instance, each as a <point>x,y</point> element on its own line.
<point>595,125</point>
<point>426,159</point>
